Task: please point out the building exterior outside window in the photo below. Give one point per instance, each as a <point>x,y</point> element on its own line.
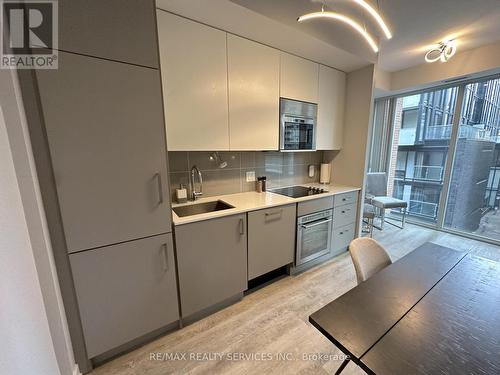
<point>422,131</point>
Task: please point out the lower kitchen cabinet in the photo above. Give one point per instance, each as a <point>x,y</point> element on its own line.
<point>212,261</point>
<point>125,291</point>
<point>344,220</point>
<point>271,239</point>
<point>341,237</point>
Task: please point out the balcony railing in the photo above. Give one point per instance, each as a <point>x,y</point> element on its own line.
<point>428,172</point>
<point>422,208</point>
<point>407,136</point>
<point>434,133</point>
<point>471,132</point>
<point>421,172</point>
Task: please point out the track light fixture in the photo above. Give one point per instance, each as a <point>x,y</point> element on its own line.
<point>340,17</point>
<point>376,15</point>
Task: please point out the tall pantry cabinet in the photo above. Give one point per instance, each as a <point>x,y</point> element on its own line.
<point>98,135</point>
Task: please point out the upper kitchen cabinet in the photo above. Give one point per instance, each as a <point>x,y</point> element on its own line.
<point>330,109</point>
<point>104,124</point>
<point>194,76</point>
<point>122,30</point>
<point>253,71</point>
<point>299,78</point>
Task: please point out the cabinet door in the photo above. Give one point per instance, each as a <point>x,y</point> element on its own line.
<point>104,124</point>
<point>253,71</point>
<point>341,238</point>
<point>125,291</point>
<point>298,78</point>
<point>122,30</point>
<point>330,109</point>
<point>194,76</point>
<point>271,239</point>
<point>212,261</point>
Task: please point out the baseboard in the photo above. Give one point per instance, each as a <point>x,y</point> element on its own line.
<point>211,309</point>
<point>133,344</point>
<point>308,265</point>
<point>76,370</point>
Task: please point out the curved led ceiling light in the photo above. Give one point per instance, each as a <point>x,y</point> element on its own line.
<point>340,17</point>
<point>442,51</point>
<point>375,15</point>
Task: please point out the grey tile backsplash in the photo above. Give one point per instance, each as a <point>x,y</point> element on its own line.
<point>281,169</point>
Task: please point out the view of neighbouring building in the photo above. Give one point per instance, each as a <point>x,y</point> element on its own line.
<point>422,133</point>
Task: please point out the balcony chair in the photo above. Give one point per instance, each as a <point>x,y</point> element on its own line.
<point>368,218</point>
<point>376,194</point>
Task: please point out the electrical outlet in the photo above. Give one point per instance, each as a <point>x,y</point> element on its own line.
<point>251,176</point>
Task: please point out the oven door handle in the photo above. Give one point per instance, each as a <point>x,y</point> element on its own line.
<point>307,226</point>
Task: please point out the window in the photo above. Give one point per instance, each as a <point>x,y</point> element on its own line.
<point>409,118</point>
<point>447,168</point>
<point>419,151</point>
<point>473,199</point>
<point>438,118</point>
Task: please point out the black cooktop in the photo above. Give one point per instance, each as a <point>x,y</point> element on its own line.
<point>298,191</point>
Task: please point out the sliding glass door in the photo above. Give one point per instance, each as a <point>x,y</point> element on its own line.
<point>422,126</point>
<point>473,196</point>
<point>443,156</point>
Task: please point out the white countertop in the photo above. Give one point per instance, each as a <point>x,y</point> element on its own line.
<point>252,201</point>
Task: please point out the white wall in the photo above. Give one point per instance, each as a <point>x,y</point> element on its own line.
<point>231,17</point>
<point>26,340</point>
<point>35,338</point>
<point>473,63</point>
<point>482,59</point>
<point>348,165</point>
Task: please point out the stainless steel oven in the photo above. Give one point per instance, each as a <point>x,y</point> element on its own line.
<point>297,125</point>
<point>314,236</point>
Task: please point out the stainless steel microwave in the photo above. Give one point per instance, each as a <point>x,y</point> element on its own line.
<point>297,125</point>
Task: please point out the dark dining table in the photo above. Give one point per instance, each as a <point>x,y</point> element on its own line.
<point>434,311</point>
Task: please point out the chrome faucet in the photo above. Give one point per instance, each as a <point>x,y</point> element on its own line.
<point>195,194</point>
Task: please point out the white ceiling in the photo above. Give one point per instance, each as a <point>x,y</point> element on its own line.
<point>239,20</point>
<point>415,24</point>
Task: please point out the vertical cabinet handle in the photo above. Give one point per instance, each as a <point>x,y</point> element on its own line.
<point>157,176</point>
<point>242,227</point>
<point>165,257</point>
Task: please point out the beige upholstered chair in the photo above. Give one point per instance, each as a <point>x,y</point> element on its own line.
<point>368,257</point>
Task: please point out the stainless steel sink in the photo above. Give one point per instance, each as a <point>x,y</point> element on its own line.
<point>201,208</point>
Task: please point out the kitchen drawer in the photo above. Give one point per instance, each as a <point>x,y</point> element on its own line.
<point>271,239</point>
<point>344,215</point>
<point>314,205</point>
<point>342,237</point>
<point>345,198</point>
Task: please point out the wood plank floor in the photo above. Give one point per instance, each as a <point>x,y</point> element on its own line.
<point>273,321</point>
